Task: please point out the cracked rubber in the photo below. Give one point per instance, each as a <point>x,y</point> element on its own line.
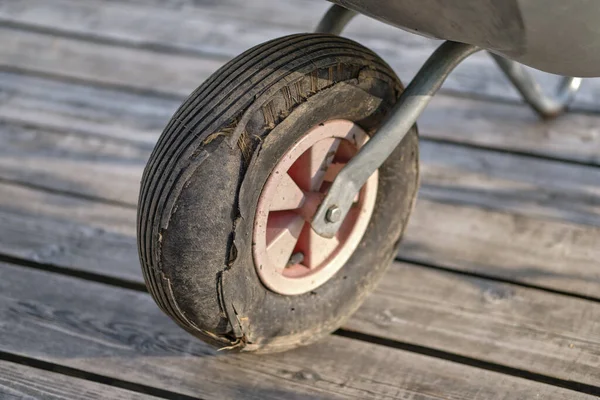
<point>201,185</point>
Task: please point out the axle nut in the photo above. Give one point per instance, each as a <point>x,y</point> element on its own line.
<point>334,214</point>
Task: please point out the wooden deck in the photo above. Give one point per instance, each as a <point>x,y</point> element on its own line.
<point>495,293</point>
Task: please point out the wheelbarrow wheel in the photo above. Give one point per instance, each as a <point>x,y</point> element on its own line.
<point>224,236</point>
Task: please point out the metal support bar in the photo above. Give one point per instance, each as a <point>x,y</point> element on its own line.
<point>547,107</point>
<point>335,20</point>
<point>411,104</point>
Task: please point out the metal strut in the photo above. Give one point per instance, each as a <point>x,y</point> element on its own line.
<point>335,20</point>
<point>410,105</point>
<point>547,107</point>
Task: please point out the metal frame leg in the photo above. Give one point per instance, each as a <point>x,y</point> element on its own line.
<point>335,20</point>
<point>547,107</point>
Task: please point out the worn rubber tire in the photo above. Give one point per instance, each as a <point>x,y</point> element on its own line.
<point>201,186</point>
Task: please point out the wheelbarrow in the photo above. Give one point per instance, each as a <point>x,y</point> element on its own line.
<point>278,193</point>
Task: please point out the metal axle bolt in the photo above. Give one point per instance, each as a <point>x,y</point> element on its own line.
<point>334,214</point>
<point>296,258</point>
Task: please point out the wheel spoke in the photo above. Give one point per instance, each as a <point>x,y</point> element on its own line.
<point>346,150</point>
<point>311,203</point>
<point>290,257</point>
<point>288,197</point>
<point>333,170</point>
<point>308,171</point>
<point>316,248</point>
<point>283,230</point>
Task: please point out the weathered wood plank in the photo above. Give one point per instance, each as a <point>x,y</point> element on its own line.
<point>140,117</point>
<point>574,137</point>
<point>70,232</point>
<point>109,169</point>
<point>19,382</point>
<point>103,63</point>
<point>120,333</point>
<point>551,254</point>
<point>86,165</point>
<point>76,233</point>
<point>510,182</point>
<point>228,28</point>
<point>73,107</point>
<point>536,331</point>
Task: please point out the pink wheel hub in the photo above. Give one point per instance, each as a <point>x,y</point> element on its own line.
<point>290,257</point>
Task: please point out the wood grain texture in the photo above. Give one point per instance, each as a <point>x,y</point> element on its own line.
<point>551,254</point>
<point>555,254</point>
<point>536,331</point>
<point>109,169</point>
<point>102,63</point>
<point>70,232</point>
<point>500,215</point>
<point>227,28</point>
<point>85,325</point>
<point>79,108</point>
<point>73,107</point>
<point>512,127</point>
<point>509,182</point>
<point>19,382</point>
<point>86,165</point>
